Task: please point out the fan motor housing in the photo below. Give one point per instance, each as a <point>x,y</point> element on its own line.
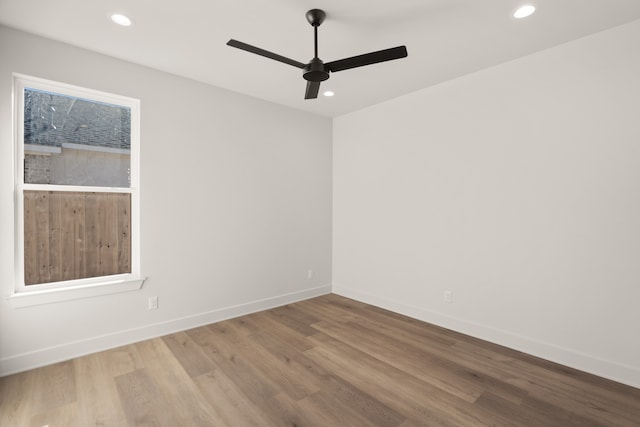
<point>315,71</point>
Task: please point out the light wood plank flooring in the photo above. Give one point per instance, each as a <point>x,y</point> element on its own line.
<point>329,361</point>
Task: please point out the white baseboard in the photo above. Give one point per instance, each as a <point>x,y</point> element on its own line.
<point>603,368</point>
<point>59,353</point>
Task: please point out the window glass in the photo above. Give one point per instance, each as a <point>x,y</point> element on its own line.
<point>75,141</point>
<point>72,235</point>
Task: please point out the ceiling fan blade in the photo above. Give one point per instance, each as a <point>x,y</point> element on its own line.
<point>265,53</point>
<point>312,90</point>
<point>367,59</point>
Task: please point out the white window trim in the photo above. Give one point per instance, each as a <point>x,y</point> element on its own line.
<point>23,295</point>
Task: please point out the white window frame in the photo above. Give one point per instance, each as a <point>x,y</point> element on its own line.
<point>36,294</point>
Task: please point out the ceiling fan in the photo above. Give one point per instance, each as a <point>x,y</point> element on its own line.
<point>317,71</point>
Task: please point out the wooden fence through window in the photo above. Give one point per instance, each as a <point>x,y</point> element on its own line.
<point>75,235</point>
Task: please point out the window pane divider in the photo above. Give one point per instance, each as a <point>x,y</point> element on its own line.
<point>74,188</point>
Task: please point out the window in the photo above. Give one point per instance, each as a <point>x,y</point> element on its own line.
<point>77,190</point>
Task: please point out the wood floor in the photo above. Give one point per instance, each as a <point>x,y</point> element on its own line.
<point>328,361</point>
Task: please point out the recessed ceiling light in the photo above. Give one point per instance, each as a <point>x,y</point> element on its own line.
<point>524,11</point>
<point>328,93</point>
<point>121,19</point>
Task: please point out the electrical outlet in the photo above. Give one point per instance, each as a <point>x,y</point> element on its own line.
<point>448,296</point>
<point>309,274</point>
<point>153,303</point>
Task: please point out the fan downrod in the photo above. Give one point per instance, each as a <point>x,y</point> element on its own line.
<point>315,71</point>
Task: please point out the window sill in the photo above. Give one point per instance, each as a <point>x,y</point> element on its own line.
<point>49,296</point>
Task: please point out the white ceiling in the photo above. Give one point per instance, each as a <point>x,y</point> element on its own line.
<point>445,39</point>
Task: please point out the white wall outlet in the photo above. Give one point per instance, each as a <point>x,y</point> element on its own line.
<point>153,303</point>
<point>448,296</point>
<point>309,274</point>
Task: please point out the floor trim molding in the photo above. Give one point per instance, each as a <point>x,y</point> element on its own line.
<point>603,368</point>
<point>66,351</point>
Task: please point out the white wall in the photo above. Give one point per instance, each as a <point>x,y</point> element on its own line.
<point>236,207</point>
<point>517,188</point>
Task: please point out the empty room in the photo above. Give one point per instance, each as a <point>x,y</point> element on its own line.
<point>297,213</point>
